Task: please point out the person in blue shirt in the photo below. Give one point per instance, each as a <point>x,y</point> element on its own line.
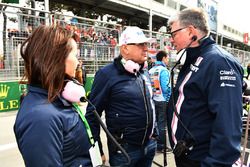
<point>160,81</point>
<point>205,120</point>
<point>122,89</point>
<point>48,130</point>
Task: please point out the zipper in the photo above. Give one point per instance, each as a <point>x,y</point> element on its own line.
<point>146,107</point>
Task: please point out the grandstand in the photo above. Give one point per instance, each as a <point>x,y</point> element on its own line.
<point>97,47</point>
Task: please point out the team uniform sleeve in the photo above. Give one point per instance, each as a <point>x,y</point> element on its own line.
<point>41,143</point>
<point>98,97</point>
<point>224,92</point>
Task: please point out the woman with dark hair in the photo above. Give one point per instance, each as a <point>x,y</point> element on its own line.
<point>48,130</point>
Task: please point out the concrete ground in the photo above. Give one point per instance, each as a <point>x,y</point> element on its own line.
<point>9,153</point>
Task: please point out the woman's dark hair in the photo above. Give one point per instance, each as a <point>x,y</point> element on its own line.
<point>44,54</point>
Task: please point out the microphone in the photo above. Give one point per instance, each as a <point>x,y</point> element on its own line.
<point>194,38</point>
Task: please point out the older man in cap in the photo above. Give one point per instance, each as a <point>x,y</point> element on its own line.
<point>122,89</point>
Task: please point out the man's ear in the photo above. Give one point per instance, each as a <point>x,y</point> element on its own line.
<point>124,49</point>
<point>192,30</point>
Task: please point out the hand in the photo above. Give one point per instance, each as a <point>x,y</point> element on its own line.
<point>103,159</point>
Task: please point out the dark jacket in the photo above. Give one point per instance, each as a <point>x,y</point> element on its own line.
<point>208,95</point>
<point>120,94</point>
<point>50,134</point>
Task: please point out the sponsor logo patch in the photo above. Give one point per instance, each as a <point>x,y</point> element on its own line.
<point>226,85</point>
<point>225,72</point>
<point>228,78</point>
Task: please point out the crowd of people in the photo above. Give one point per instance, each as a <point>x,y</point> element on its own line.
<point>200,114</point>
<point>91,34</point>
<point>95,41</point>
<point>87,34</point>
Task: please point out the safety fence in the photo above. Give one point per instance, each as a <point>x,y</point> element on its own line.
<point>97,46</point>
<point>242,56</point>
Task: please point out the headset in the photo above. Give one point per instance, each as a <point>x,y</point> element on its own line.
<point>74,92</point>
<point>182,147</point>
<point>130,66</point>
<point>133,67</point>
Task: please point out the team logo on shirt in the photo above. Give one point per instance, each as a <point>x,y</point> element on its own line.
<point>225,72</point>
<point>194,68</point>
<point>226,75</point>
<point>226,84</point>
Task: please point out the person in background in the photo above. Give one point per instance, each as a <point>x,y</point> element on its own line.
<point>248,71</point>
<point>205,121</point>
<point>160,81</point>
<point>84,73</point>
<point>48,130</point>
<point>23,93</point>
<point>79,75</point>
<point>151,62</point>
<point>122,89</point>
<point>152,51</point>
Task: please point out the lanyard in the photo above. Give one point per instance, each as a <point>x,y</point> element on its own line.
<point>78,109</point>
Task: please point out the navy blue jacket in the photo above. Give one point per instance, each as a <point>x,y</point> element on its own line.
<point>50,134</point>
<point>119,93</point>
<point>208,95</point>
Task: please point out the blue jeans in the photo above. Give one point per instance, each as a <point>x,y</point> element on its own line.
<point>161,119</point>
<point>140,155</point>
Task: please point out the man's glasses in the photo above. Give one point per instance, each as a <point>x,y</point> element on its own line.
<point>175,32</point>
<point>139,44</point>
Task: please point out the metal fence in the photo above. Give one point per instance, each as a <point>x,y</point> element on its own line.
<point>98,44</point>
<point>242,56</point>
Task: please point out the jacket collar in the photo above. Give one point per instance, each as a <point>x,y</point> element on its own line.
<point>160,63</point>
<point>38,89</point>
<point>194,53</point>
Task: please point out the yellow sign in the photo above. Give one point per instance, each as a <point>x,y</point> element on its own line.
<point>10,105</point>
<point>9,96</point>
<point>4,89</point>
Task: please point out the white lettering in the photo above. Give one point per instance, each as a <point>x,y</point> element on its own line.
<point>193,68</point>
<point>230,78</point>
<point>224,72</point>
<point>226,85</point>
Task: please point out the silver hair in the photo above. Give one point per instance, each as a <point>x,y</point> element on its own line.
<point>192,16</point>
